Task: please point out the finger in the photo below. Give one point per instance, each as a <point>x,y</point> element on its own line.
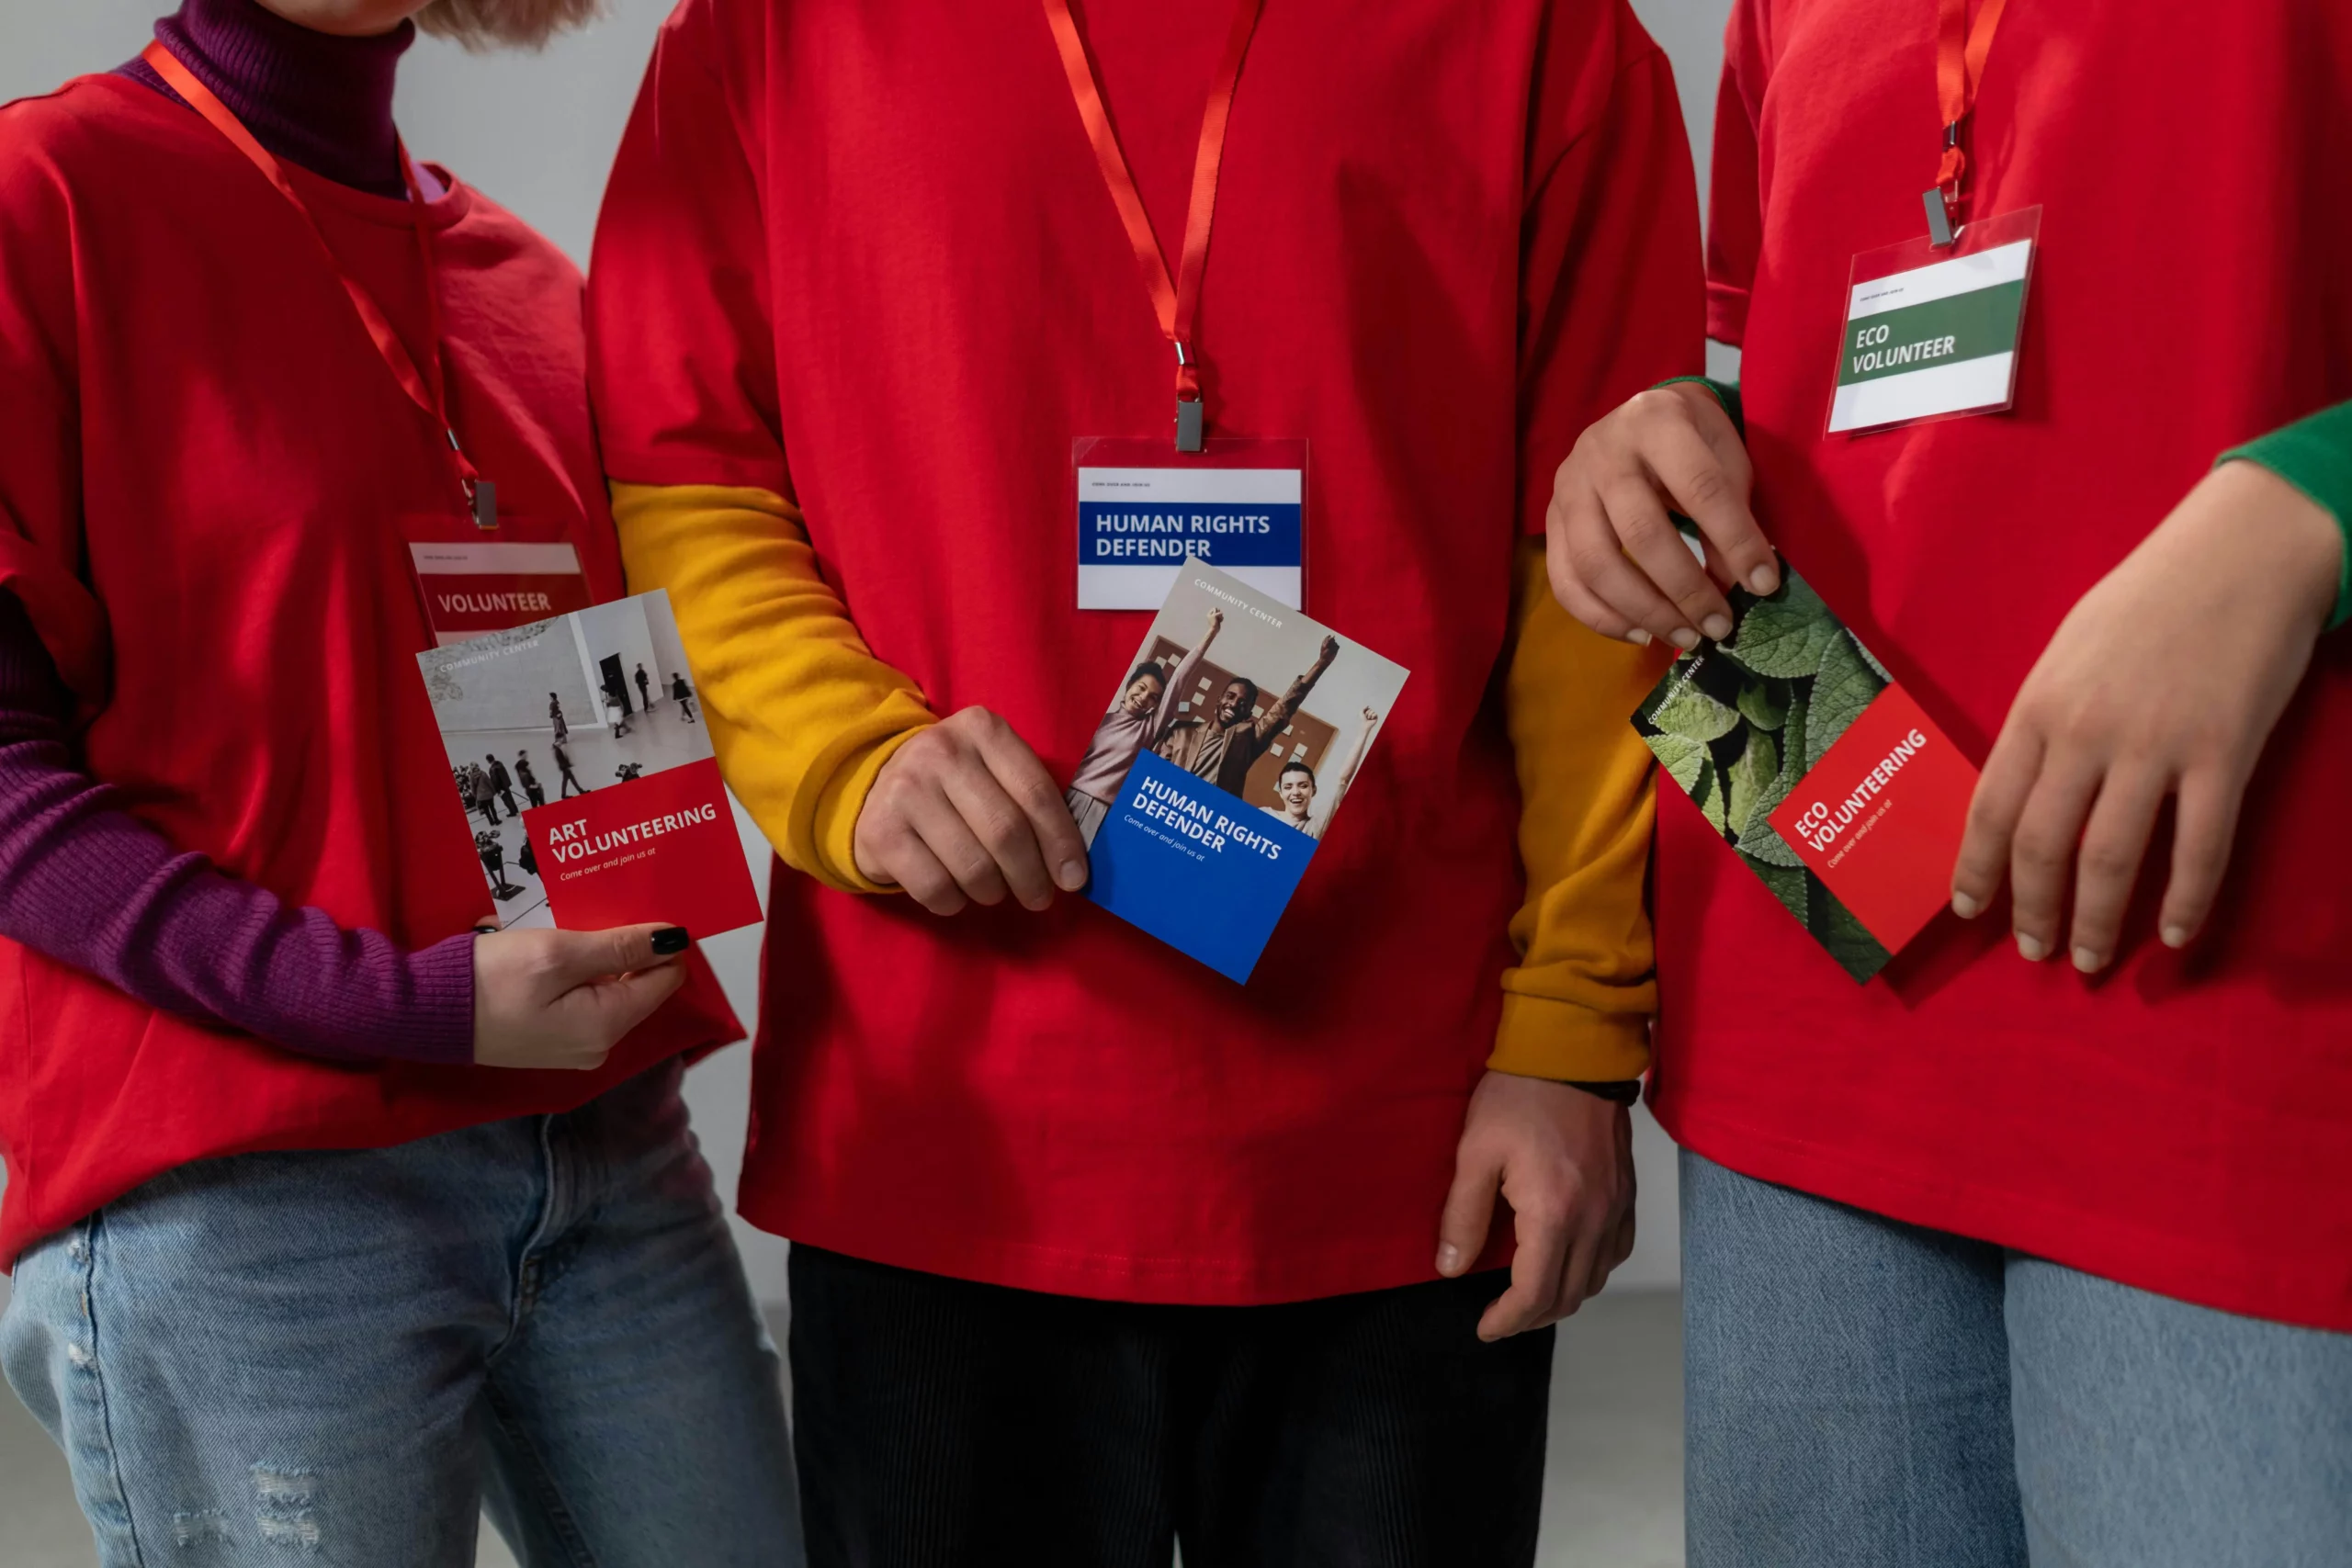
<point>934,818</point>
<point>1710,486</point>
<point>1637,513</point>
<point>1993,812</point>
<point>2115,841</point>
<point>2205,822</point>
<point>1469,1210</point>
<point>1596,557</point>
<point>2042,853</point>
<point>1592,1233</point>
<point>582,957</point>
<point>1002,830</point>
<point>1023,777</point>
<point>905,860</point>
<point>1542,1232</point>
<point>1568,588</point>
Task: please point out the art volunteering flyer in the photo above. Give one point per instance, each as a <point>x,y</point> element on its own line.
<point>1818,771</point>
<point>1214,774</point>
<point>578,752</point>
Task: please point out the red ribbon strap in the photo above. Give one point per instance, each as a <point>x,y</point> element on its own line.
<point>1176,301</point>
<point>427,394</point>
<point>1960,67</point>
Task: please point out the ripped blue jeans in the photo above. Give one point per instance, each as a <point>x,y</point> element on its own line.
<point>342,1357</point>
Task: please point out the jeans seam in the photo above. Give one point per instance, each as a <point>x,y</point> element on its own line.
<point>544,1490</point>
<point>93,1230</point>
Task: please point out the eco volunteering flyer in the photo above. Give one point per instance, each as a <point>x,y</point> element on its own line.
<point>1818,770</point>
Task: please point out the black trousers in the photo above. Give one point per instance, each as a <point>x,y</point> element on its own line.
<point>941,1423</point>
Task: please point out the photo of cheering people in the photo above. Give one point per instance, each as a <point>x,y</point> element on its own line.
<point>1234,688</point>
<point>583,702</point>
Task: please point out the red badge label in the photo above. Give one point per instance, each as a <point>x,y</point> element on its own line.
<point>1879,818</point>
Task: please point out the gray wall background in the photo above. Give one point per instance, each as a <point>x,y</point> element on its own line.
<point>537,132</point>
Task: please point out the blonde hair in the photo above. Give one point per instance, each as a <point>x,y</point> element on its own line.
<point>486,23</point>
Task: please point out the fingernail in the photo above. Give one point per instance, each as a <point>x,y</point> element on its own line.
<point>2087,961</point>
<point>1765,581</point>
<point>1965,906</point>
<point>1638,636</point>
<point>1449,1258</point>
<point>2032,949</point>
<point>1717,627</point>
<point>2175,936</point>
<point>1684,638</point>
<point>671,939</point>
<point>1072,876</point>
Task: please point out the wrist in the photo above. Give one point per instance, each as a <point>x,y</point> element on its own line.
<point>2290,528</point>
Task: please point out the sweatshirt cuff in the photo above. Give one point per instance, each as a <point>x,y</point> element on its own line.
<point>2314,454</point>
<point>1726,393</point>
<point>440,1026</point>
<point>1542,1038</point>
<point>834,828</point>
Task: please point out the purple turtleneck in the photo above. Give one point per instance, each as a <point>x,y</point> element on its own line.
<point>88,884</point>
<point>320,101</point>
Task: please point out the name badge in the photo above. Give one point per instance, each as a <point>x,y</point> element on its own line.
<point>468,587</point>
<point>1143,509</point>
<point>1932,332</point>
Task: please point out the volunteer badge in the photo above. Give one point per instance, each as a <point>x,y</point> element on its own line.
<point>1817,771</point>
<point>1227,745</point>
<point>582,767</point>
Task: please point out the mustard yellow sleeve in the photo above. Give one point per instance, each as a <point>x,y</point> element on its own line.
<point>1578,1005</point>
<point>802,714</point>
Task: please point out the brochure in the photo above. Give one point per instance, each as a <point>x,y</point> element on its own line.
<point>582,763</point>
<point>1818,769</point>
<point>1217,771</point>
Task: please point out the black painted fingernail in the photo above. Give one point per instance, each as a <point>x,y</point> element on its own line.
<point>671,939</point>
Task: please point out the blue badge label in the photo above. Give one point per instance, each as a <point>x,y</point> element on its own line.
<point>1198,869</point>
<point>1136,527</point>
<point>1228,743</point>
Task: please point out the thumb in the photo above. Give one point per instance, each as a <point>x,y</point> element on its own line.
<point>583,956</point>
<point>1469,1210</point>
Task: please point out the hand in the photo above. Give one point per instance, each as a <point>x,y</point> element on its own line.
<point>965,812</point>
<point>2166,679</point>
<point>1669,448</point>
<point>1330,650</point>
<point>1216,624</point>
<point>1563,1160</point>
<point>1370,716</point>
<point>551,999</point>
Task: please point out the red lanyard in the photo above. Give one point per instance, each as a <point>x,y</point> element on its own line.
<point>1177,301</point>
<point>1959,66</point>
<point>431,395</point>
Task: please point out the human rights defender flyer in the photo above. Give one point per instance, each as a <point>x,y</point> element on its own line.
<point>578,752</point>
<point>1819,771</point>
<point>1227,748</point>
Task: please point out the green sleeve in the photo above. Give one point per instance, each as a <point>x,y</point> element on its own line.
<point>2314,454</point>
<point>1726,393</point>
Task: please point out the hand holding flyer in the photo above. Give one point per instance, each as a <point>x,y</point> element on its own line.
<point>1202,796</point>
<point>590,718</point>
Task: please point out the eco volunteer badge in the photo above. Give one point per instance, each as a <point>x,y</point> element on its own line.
<point>1213,774</point>
<point>1932,332</point>
<point>1818,771</point>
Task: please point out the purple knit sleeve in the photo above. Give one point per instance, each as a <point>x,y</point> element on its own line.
<point>89,885</point>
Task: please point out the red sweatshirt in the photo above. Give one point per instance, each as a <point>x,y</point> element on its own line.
<point>2182,1123</point>
<point>204,467</point>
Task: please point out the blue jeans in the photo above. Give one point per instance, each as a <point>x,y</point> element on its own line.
<point>342,1357</point>
<point>1865,1392</point>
